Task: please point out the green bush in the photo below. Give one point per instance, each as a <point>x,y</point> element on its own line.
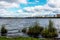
<point>3,31</point>
<point>24,30</point>
<point>50,32</point>
<point>35,30</point>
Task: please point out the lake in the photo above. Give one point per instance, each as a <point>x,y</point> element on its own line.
<point>21,23</point>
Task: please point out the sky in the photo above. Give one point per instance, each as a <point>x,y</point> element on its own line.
<point>28,8</point>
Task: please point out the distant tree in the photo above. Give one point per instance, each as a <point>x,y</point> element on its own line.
<point>50,32</point>
<point>35,30</point>
<point>3,31</point>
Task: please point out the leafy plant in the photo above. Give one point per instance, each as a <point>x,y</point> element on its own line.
<point>35,30</point>
<point>3,31</point>
<point>50,32</point>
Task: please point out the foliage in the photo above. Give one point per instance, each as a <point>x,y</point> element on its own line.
<point>3,31</point>
<point>21,38</point>
<point>24,30</point>
<point>35,30</point>
<point>50,32</point>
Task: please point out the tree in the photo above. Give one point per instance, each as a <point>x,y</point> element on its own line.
<point>3,31</point>
<point>50,32</point>
<point>35,30</point>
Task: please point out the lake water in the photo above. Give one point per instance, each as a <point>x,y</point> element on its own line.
<point>21,23</point>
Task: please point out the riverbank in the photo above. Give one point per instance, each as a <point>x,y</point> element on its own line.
<point>26,38</point>
<point>20,38</point>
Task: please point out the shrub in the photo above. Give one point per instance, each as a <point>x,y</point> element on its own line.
<point>24,30</point>
<point>35,30</point>
<point>3,31</point>
<point>50,32</point>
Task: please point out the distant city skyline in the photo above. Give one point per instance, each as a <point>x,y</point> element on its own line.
<point>29,8</point>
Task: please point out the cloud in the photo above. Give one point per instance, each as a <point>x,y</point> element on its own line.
<point>39,9</point>
<point>54,3</point>
<point>22,1</point>
<point>19,13</point>
<point>5,13</point>
<point>15,1</point>
<point>52,7</point>
<point>10,1</point>
<point>4,4</point>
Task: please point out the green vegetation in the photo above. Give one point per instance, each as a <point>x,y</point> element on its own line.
<point>35,30</point>
<point>20,38</point>
<point>3,31</point>
<point>50,32</point>
<point>24,30</point>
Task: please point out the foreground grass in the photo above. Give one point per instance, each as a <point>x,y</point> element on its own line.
<point>20,38</point>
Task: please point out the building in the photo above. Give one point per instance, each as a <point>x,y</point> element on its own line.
<point>58,15</point>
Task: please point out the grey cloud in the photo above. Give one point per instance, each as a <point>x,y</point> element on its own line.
<point>36,10</point>
<point>47,10</point>
<point>52,5</point>
<point>56,11</point>
<point>9,0</point>
<point>28,11</point>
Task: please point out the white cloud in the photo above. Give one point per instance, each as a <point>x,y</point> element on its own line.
<point>10,1</point>
<point>4,6</point>
<point>8,5</point>
<point>15,1</point>
<point>52,7</point>
<point>39,9</point>
<point>20,11</point>
<point>5,13</point>
<point>55,3</point>
<point>22,1</point>
<point>29,9</point>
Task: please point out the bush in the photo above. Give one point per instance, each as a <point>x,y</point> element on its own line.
<point>3,31</point>
<point>35,30</point>
<point>24,30</point>
<point>50,32</point>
